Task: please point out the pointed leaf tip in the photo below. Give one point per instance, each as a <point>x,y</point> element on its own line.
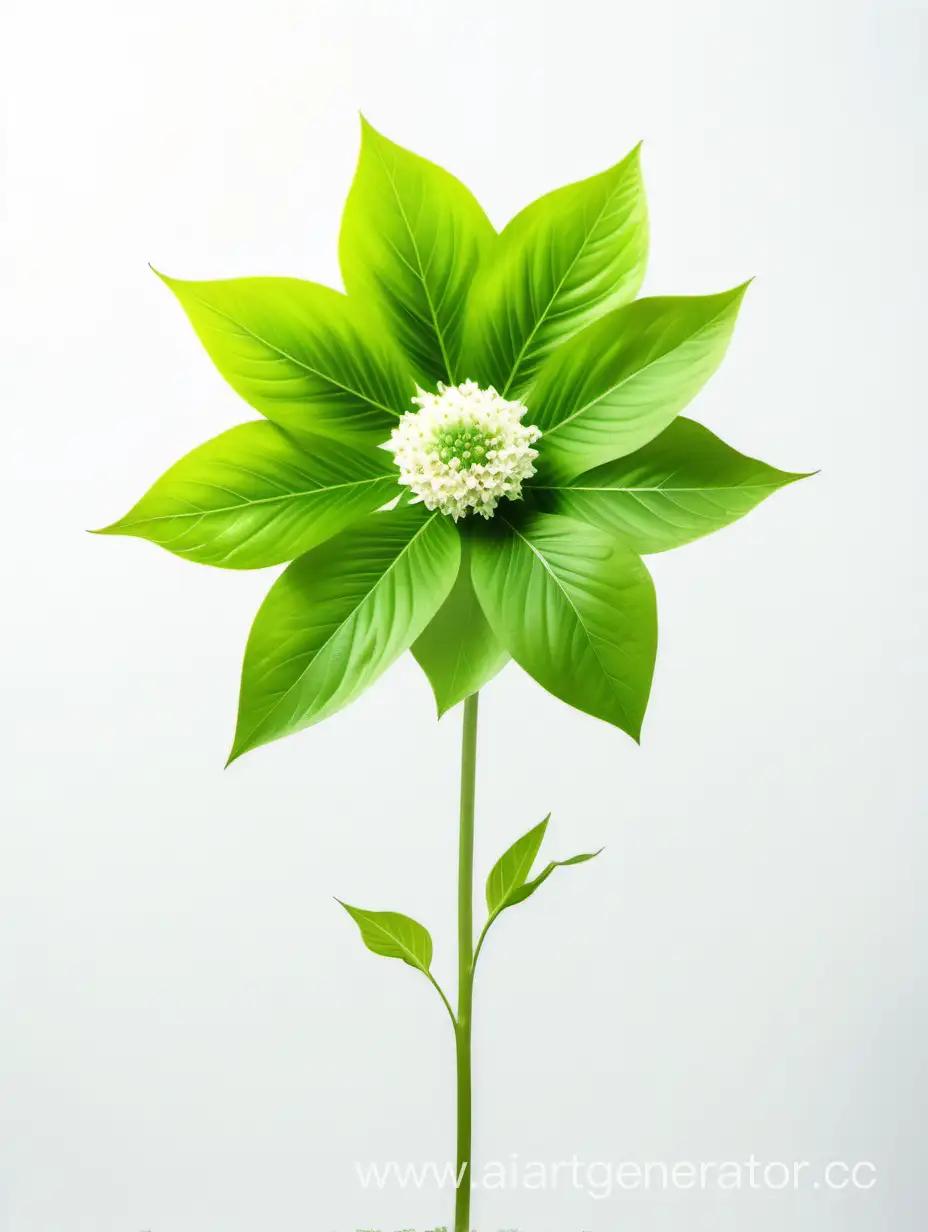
<point>694,484</point>
<point>564,261</point>
<point>330,625</point>
<point>591,637</point>
<point>411,240</point>
<point>526,891</point>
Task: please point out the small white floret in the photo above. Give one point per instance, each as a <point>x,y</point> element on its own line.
<point>464,449</point>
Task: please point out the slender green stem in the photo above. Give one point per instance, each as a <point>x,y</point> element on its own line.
<point>441,992</point>
<point>483,937</point>
<point>465,963</point>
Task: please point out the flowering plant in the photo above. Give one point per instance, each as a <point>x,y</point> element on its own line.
<point>547,402</point>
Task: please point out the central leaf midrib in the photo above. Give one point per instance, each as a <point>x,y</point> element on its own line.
<point>729,487</point>
<point>415,247</point>
<point>400,944</point>
<point>263,500</point>
<point>557,290</point>
<point>562,589</point>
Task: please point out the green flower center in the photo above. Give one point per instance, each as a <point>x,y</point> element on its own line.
<point>464,442</point>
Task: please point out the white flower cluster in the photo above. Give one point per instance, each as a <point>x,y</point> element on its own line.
<point>465,449</point>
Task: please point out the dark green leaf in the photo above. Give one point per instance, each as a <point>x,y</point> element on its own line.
<point>617,385</point>
<point>392,935</point>
<point>338,617</point>
<point>684,484</point>
<point>412,236</point>
<point>458,651</point>
<point>566,259</point>
<point>253,497</point>
<point>301,354</point>
<point>575,608</point>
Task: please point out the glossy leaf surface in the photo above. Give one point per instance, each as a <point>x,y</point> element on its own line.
<point>619,383</point>
<point>566,259</point>
<point>301,354</point>
<point>411,239</point>
<point>338,617</point>
<point>253,497</point>
<point>575,608</point>
<point>684,484</point>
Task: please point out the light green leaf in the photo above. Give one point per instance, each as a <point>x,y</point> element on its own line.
<point>411,239</point>
<point>392,935</point>
<point>301,354</point>
<point>253,497</point>
<point>458,651</point>
<point>508,882</point>
<point>684,484</point>
<point>526,891</point>
<point>614,387</point>
<point>511,870</point>
<point>575,608</point>
<point>338,617</point>
<point>566,259</point>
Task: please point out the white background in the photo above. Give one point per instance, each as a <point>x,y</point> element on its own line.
<point>192,1038</point>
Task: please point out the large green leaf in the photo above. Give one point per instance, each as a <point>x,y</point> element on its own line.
<point>301,354</point>
<point>252,497</point>
<point>392,935</point>
<point>614,387</point>
<point>575,608</point>
<point>566,259</point>
<point>684,484</point>
<point>411,239</point>
<point>458,651</point>
<point>338,617</point>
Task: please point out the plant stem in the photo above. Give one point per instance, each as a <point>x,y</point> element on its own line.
<point>465,962</point>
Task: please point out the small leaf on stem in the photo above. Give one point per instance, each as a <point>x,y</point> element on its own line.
<point>511,870</point>
<point>508,882</point>
<point>519,896</point>
<point>392,935</point>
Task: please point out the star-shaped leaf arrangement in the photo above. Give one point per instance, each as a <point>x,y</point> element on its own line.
<point>507,516</point>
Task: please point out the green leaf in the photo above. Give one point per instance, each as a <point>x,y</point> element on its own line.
<point>392,935</point>
<point>338,617</point>
<point>411,239</point>
<point>566,259</point>
<point>511,870</point>
<point>458,651</point>
<point>575,608</point>
<point>508,882</point>
<point>526,891</point>
<point>301,354</point>
<point>252,497</point>
<point>617,385</point>
<point>684,484</point>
